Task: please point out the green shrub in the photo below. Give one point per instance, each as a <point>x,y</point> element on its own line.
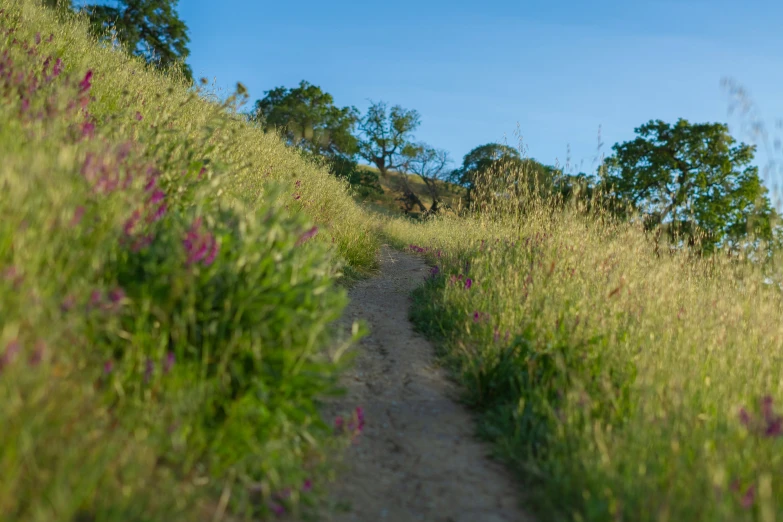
<point>165,333</point>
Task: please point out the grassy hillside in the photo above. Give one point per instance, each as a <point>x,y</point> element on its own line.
<point>169,282</point>
<point>167,291</point>
<point>620,385</point>
<point>451,195</point>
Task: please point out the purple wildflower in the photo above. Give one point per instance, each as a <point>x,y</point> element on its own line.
<point>95,298</point>
<point>159,212</point>
<point>78,213</point>
<point>108,367</point>
<point>12,275</point>
<point>468,283</point>
<point>748,497</point>
<point>138,116</point>
<point>200,245</point>
<point>774,428</point>
<point>86,84</point>
<point>151,183</point>
<point>307,486</point>
<point>123,150</point>
<point>116,295</point>
<point>168,364</point>
<point>149,369</point>
<point>11,349</point>
<point>434,271</point>
<point>88,129</point>
<point>130,224</point>
<point>58,67</point>
<point>157,196</point>
<point>307,236</point>
<point>744,417</point>
<point>360,418</point>
<point>37,38</point>
<point>38,353</point>
<point>277,509</point>
<point>476,316</point>
<point>68,303</point>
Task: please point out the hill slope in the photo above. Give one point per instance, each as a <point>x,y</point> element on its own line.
<point>167,295</point>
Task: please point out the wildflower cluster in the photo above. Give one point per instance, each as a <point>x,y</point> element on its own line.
<point>767,423</point>
<point>108,208</point>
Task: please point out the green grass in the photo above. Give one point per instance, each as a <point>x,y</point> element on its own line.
<point>169,280</point>
<point>168,286</point>
<point>619,385</point>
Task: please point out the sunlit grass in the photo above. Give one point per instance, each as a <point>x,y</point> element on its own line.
<point>167,292</point>
<point>621,385</point>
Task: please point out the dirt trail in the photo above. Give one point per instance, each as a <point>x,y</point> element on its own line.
<point>417,458</point>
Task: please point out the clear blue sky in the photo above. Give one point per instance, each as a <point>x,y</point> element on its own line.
<point>474,70</point>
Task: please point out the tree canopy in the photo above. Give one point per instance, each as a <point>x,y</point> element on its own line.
<point>430,164</point>
<point>501,169</point>
<point>692,180</point>
<point>308,118</point>
<point>481,159</point>
<point>386,136</point>
<point>151,29</point>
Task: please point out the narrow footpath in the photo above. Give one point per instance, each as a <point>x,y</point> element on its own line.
<point>418,458</point>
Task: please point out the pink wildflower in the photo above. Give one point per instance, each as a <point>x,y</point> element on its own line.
<point>168,364</point>
<point>130,224</point>
<point>38,354</point>
<point>88,129</point>
<point>11,350</point>
<point>748,497</point>
<point>78,213</point>
<point>307,235</point>
<point>86,84</point>
<point>157,196</point>
<point>159,212</point>
<point>116,295</point>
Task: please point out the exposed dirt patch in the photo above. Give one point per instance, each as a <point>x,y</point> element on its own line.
<point>417,458</point>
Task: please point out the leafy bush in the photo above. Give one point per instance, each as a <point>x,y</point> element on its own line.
<point>164,331</point>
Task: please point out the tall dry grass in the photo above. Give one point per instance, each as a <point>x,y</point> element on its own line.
<point>622,382</point>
